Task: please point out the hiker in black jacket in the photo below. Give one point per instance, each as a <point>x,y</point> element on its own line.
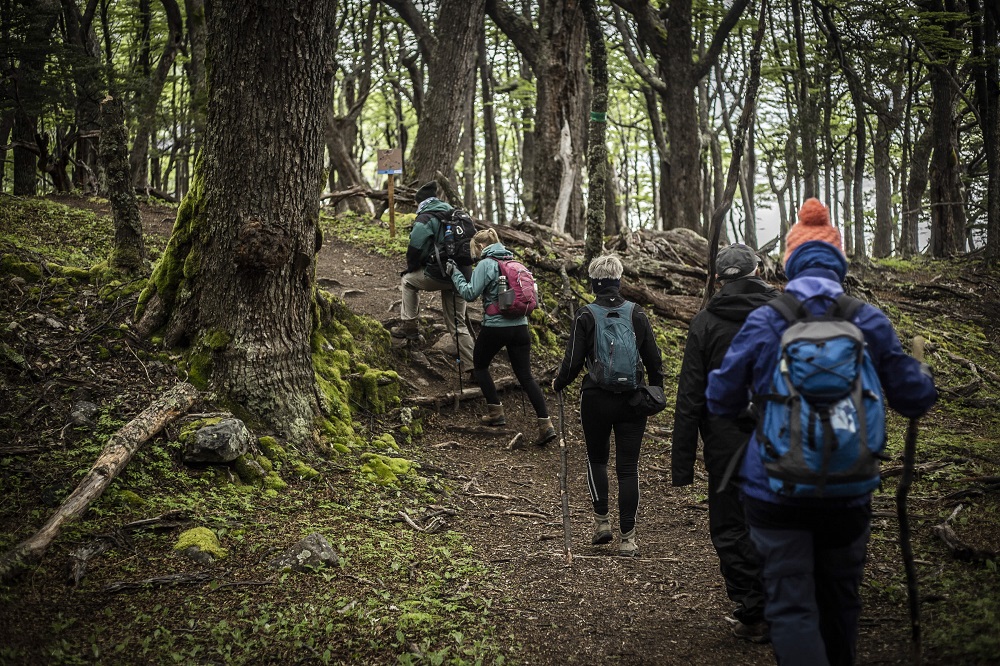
<point>603,411</point>
<point>708,339</point>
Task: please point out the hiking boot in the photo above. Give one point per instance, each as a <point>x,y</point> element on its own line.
<point>628,546</point>
<point>407,329</point>
<point>602,530</point>
<point>494,416</point>
<point>758,632</point>
<point>546,432</point>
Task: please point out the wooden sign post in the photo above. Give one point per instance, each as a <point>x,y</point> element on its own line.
<point>390,162</point>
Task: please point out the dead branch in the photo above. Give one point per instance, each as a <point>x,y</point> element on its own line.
<point>466,394</point>
<point>116,454</point>
<point>161,581</point>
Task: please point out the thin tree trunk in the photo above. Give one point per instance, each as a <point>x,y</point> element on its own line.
<point>597,149</point>
<point>128,252</point>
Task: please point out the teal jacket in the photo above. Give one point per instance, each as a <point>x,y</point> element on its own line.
<point>425,230</point>
<point>485,282</point>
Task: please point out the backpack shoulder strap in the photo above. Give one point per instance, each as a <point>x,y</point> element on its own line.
<point>848,306</point>
<point>789,307</point>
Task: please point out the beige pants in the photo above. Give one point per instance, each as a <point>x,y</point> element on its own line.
<point>452,304</point>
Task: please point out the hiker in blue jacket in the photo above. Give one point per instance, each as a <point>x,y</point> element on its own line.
<point>813,549</point>
<point>498,332</point>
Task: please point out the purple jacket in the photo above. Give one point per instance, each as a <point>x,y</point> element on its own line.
<point>750,362</point>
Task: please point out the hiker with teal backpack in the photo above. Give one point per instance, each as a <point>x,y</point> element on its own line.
<point>509,295</point>
<point>818,364</point>
<point>614,339</point>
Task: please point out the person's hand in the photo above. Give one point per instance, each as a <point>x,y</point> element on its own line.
<point>450,267</point>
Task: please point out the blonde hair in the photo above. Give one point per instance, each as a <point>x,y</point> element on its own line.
<point>482,240</point>
<point>607,266</point>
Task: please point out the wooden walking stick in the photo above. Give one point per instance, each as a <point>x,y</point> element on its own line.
<point>563,490</point>
<point>905,481</point>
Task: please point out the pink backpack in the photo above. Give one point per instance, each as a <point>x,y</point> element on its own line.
<point>521,296</point>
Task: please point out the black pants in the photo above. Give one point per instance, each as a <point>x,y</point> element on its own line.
<point>739,561</point>
<point>517,340</point>
<point>602,412</point>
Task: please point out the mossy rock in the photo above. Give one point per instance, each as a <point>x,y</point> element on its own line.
<point>12,265</point>
<point>204,540</point>
<point>386,471</point>
<point>304,471</point>
<point>131,498</point>
<point>270,447</point>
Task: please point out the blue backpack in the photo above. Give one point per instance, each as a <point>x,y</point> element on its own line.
<point>822,428</point>
<point>614,361</point>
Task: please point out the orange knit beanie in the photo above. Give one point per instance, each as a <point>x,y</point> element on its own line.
<point>814,224</point>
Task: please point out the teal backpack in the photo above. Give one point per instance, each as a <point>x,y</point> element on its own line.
<point>614,363</point>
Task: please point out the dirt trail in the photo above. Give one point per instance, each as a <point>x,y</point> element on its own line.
<point>667,607</point>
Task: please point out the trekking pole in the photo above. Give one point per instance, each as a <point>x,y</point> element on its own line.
<point>458,349</point>
<point>563,490</point>
<point>905,481</point>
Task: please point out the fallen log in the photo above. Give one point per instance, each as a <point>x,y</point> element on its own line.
<point>449,398</point>
<point>678,308</point>
<point>116,454</point>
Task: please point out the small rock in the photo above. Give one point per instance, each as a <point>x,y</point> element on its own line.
<point>198,556</point>
<point>82,413</point>
<point>220,442</point>
<point>312,552</point>
<point>54,323</point>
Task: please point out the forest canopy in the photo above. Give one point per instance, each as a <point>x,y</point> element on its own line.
<point>886,111</point>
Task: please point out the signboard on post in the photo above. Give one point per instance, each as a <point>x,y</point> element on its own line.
<point>390,162</point>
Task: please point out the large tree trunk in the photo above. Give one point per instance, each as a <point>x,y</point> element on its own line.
<point>451,74</point>
<point>235,284</point>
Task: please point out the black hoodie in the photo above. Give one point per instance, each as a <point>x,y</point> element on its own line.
<point>708,339</point>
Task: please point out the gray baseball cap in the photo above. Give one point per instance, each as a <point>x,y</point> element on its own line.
<point>736,261</point>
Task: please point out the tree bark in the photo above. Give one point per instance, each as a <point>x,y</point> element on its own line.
<point>986,40</point>
<point>115,455</point>
<point>882,159</point>
<point>40,20</point>
<point>149,96</point>
<point>668,34</point>
<point>597,149</point>
<point>86,69</point>
<point>451,72</point>
<point>946,200</point>
<point>128,251</point>
<point>235,285</point>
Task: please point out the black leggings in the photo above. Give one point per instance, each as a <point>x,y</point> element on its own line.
<point>601,412</point>
<point>517,340</point>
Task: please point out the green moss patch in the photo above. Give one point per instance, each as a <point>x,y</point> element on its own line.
<point>204,540</point>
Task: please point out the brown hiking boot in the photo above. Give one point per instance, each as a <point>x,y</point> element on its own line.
<point>494,416</point>
<point>546,432</point>
<point>407,329</point>
<point>602,530</point>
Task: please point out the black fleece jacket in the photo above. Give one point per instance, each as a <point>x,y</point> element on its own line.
<point>708,339</point>
<point>581,343</point>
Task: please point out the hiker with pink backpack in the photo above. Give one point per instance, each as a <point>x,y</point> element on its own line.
<point>509,296</point>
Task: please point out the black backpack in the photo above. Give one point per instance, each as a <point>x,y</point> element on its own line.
<point>452,241</point>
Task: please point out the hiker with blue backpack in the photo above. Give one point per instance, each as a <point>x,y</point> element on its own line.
<point>509,295</point>
<point>708,339</point>
<point>818,364</point>
<point>614,339</point>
